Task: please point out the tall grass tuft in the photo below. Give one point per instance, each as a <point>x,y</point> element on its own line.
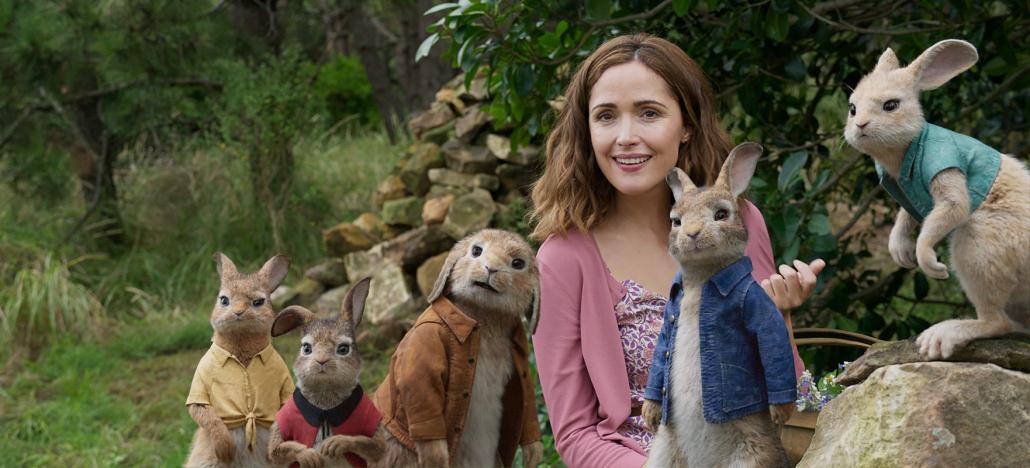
<point>43,301</point>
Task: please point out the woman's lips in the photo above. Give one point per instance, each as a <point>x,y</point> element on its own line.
<point>631,163</point>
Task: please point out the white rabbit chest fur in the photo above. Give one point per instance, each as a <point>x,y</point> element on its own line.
<point>482,431</point>
<point>703,443</point>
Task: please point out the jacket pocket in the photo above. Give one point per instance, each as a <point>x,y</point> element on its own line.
<point>738,388</point>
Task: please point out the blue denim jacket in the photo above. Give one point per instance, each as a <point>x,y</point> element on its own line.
<point>746,359</point>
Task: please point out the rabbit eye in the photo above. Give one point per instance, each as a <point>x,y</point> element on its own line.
<point>676,222</point>
<point>223,300</point>
<point>851,109</point>
<point>258,302</point>
<point>343,350</point>
<point>721,215</point>
<point>477,250</point>
<point>890,105</point>
<point>305,349</point>
<point>518,264</point>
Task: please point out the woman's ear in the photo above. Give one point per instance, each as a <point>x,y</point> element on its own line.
<point>686,136</point>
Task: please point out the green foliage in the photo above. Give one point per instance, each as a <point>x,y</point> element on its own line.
<point>343,85</point>
<point>781,71</point>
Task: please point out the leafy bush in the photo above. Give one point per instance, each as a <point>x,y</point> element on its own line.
<point>343,85</point>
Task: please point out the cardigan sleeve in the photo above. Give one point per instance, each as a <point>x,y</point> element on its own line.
<point>571,399</point>
<point>759,250</point>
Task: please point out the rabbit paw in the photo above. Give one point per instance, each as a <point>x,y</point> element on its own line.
<point>928,262</point>
<point>652,413</point>
<point>310,458</point>
<point>781,413</point>
<point>225,446</point>
<point>902,249</point>
<point>941,340</point>
<point>365,447</point>
<point>532,453</point>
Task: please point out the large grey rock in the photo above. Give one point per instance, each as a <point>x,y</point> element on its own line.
<point>438,114</point>
<point>469,213</point>
<point>468,159</point>
<point>514,177</point>
<point>440,134</point>
<point>500,146</point>
<point>425,156</point>
<point>1010,351</point>
<point>449,177</point>
<point>389,297</point>
<point>390,188</point>
<point>411,248</point>
<point>283,296</point>
<point>470,122</point>
<point>363,263</point>
<point>405,211</point>
<point>345,238</point>
<point>450,96</point>
<point>927,414</point>
<point>330,302</point>
<point>428,271</point>
<point>437,190</point>
<point>372,224</point>
<point>307,292</point>
<point>330,273</point>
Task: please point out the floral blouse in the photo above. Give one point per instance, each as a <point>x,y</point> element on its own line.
<point>639,316</point>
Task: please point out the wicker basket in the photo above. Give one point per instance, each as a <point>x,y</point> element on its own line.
<point>797,432</point>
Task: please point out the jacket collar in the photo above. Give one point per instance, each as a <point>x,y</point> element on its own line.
<point>326,419</point>
<point>728,277</point>
<point>459,323</point>
<point>915,149</point>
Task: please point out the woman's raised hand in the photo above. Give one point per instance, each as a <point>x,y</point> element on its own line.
<point>792,286</point>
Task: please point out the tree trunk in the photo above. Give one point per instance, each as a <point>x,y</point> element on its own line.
<point>94,167</point>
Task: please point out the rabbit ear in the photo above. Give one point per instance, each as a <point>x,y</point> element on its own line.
<point>679,182</point>
<point>290,318</point>
<point>456,252</point>
<point>226,267</point>
<point>273,272</point>
<point>941,62</point>
<point>888,62</point>
<point>354,304</point>
<point>533,314</point>
<point>739,167</point>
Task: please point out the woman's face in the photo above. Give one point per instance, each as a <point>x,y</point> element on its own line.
<point>636,128</point>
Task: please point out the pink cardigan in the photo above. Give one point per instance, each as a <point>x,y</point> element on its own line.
<point>578,349</point>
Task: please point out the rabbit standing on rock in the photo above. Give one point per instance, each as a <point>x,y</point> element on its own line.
<point>241,382</point>
<point>329,421</point>
<point>722,377</point>
<point>953,185</point>
<point>459,392</point>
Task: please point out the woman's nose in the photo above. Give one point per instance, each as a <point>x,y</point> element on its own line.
<point>627,133</point>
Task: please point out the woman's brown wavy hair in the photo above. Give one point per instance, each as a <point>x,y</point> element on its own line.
<point>572,192</point>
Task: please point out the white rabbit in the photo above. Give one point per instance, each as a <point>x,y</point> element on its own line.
<point>990,243</point>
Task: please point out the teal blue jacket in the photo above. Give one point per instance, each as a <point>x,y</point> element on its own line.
<point>934,150</point>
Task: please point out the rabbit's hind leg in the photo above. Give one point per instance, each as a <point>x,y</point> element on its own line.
<point>759,445</point>
<point>665,451</point>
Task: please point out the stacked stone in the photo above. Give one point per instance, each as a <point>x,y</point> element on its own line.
<point>454,180</point>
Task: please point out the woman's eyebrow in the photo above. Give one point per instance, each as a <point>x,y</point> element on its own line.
<point>645,102</point>
<point>648,102</point>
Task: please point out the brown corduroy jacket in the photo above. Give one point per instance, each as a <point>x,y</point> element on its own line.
<point>427,391</point>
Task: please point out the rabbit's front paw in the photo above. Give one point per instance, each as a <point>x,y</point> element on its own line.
<point>432,453</point>
<point>310,458</point>
<point>532,453</point>
<point>928,262</point>
<point>902,249</point>
<point>652,413</point>
<point>225,446</point>
<point>781,413</point>
<point>942,340</point>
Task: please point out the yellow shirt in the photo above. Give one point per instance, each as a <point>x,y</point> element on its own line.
<point>242,395</point>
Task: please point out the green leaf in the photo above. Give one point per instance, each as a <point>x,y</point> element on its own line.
<point>599,9</point>
<point>561,28</point>
<point>791,168</point>
<point>819,224</point>
<point>524,79</point>
<point>823,244</point>
<point>796,68</point>
<point>781,5</point>
<point>681,7</point>
<point>921,285</point>
<point>423,49</point>
<point>778,25</point>
<point>440,7</point>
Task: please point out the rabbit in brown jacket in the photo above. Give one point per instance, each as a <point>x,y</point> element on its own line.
<point>459,392</point>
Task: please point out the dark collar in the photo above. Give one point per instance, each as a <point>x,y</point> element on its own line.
<point>330,418</point>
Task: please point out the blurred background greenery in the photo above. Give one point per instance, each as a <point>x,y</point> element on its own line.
<point>138,137</point>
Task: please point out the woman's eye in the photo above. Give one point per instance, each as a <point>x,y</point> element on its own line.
<point>343,349</point>
<point>477,250</point>
<point>518,264</point>
<point>676,222</point>
<point>891,105</point>
<point>851,109</point>
<point>721,215</point>
<point>305,349</point>
<point>223,300</point>
<point>258,302</point>
<point>650,114</point>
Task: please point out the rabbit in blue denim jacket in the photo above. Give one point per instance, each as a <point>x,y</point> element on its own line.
<point>729,356</point>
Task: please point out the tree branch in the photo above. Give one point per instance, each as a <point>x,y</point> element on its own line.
<point>885,32</point>
<point>867,200</point>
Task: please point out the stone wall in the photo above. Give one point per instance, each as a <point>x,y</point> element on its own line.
<point>460,175</point>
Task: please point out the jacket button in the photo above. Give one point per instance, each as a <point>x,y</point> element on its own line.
<point>666,354</point>
<point>465,395</point>
<point>663,390</point>
<point>471,360</point>
<point>672,319</point>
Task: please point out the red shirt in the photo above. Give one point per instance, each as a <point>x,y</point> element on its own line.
<point>363,421</point>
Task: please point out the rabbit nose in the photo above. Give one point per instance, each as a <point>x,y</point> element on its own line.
<point>238,312</point>
<point>490,271</point>
<point>322,361</point>
<point>862,125</point>
<point>693,235</point>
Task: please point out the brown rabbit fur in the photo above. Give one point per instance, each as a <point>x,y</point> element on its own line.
<point>243,329</point>
<point>327,368</point>
<point>703,247</point>
<point>486,286</point>
<point>990,247</point>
